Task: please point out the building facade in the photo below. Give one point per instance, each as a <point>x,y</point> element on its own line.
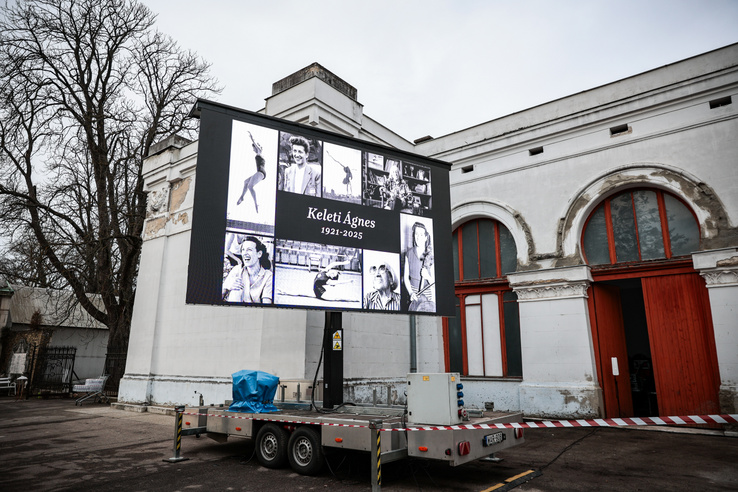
<point>595,248</point>
<point>36,321</point>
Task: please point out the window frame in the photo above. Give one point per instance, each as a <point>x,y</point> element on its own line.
<point>663,220</point>
<point>479,286</point>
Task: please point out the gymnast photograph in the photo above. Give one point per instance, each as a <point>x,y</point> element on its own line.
<point>317,275</point>
<point>252,178</point>
<point>327,278</point>
<point>247,271</point>
<point>341,173</point>
<point>418,272</point>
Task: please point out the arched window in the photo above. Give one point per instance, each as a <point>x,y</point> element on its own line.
<point>484,337</point>
<point>483,248</point>
<point>639,225</point>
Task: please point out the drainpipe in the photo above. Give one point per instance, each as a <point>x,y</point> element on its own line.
<point>413,345</point>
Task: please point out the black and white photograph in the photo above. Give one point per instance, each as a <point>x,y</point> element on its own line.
<point>247,269</point>
<point>418,179</point>
<point>385,187</point>
<point>341,173</point>
<point>300,164</point>
<point>381,281</point>
<point>374,175</point>
<point>395,191</point>
<point>252,178</point>
<point>317,275</point>
<point>418,270</point>
<point>311,204</point>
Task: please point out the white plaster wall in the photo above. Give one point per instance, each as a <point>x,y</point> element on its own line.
<point>429,339</point>
<point>504,395</point>
<point>556,341</point>
<point>315,103</point>
<point>91,344</point>
<point>542,192</point>
<point>672,127</point>
<point>725,325</point>
<point>376,345</point>
<point>719,268</point>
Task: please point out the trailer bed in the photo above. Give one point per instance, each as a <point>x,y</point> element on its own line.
<point>354,428</point>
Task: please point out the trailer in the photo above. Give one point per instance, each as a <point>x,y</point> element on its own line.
<point>435,424</point>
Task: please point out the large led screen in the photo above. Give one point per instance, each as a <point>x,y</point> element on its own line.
<point>286,215</point>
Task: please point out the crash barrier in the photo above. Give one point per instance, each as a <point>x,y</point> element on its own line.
<point>542,424</point>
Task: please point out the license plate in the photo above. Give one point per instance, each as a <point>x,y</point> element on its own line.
<point>492,439</point>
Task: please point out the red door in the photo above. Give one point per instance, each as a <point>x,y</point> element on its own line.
<point>682,344</point>
<point>610,342</point>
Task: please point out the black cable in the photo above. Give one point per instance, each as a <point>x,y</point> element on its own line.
<point>251,457</point>
<point>567,448</point>
<point>315,382</point>
<point>327,462</point>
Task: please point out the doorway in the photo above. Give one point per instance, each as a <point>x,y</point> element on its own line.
<point>655,346</point>
<point>636,367</point>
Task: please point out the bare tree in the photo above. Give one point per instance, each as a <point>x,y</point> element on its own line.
<point>86,88</point>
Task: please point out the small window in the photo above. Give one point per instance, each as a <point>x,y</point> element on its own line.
<point>619,130</point>
<point>467,169</point>
<point>723,101</point>
<point>536,151</point>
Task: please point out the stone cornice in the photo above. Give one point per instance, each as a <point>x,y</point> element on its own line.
<point>544,292</point>
<point>722,277</point>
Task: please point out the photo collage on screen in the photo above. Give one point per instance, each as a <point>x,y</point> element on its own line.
<point>259,267</point>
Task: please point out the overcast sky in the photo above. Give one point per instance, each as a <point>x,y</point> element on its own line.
<point>432,67</point>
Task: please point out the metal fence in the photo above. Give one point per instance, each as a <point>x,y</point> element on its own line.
<point>52,369</point>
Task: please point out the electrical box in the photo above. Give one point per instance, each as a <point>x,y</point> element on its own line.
<point>435,398</point>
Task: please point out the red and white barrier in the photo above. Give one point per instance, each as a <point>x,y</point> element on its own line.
<point>543,424</point>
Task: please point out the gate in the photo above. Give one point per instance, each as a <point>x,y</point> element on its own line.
<point>53,370</point>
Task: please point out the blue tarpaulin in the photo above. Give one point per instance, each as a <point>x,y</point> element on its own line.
<point>253,392</point>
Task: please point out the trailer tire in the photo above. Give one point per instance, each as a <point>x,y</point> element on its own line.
<point>305,451</point>
<point>271,446</point>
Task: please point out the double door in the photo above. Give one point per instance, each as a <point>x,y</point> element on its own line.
<point>654,345</point>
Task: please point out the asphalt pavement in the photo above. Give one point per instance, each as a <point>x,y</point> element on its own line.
<point>53,445</point>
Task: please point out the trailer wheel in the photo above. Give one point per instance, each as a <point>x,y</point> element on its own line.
<point>271,446</point>
<point>305,451</point>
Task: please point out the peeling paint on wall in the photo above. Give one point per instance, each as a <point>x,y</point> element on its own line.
<point>179,193</point>
<point>729,262</point>
<point>182,218</point>
<point>153,226</point>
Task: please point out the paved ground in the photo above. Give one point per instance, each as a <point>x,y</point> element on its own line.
<point>53,445</point>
